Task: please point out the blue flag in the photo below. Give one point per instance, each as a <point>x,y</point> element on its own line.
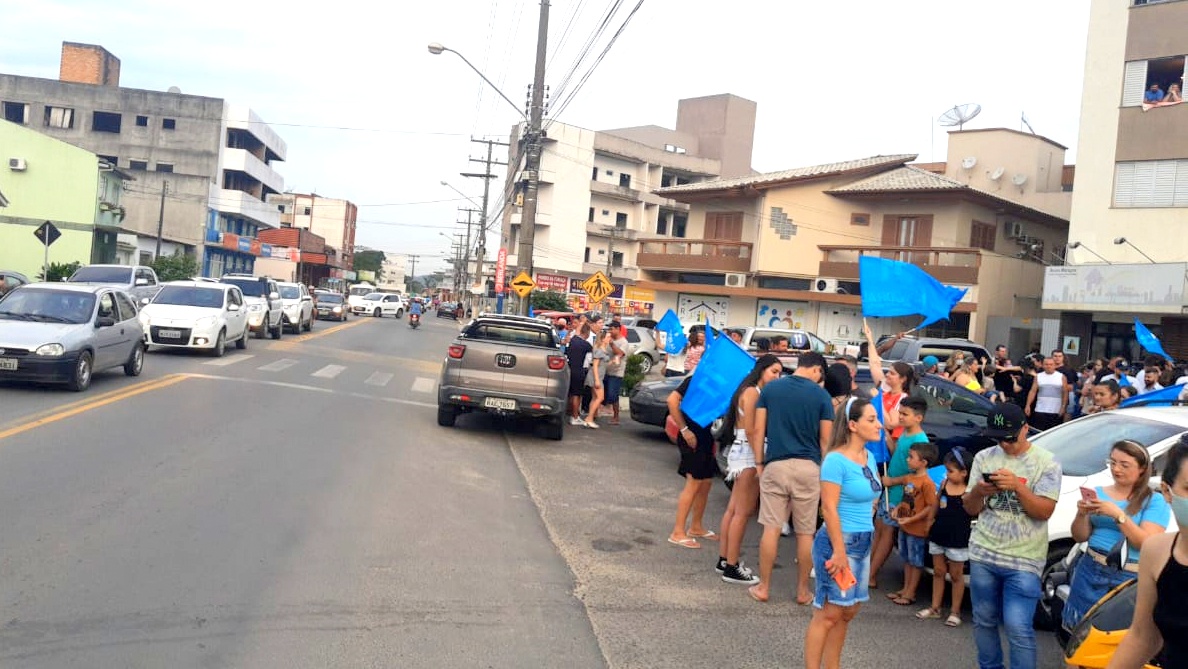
<point>1165,397</point>
<point>531,312</point>
<point>1148,340</point>
<point>709,330</point>
<point>723,366</point>
<point>893,288</point>
<point>674,333</point>
<point>878,448</point>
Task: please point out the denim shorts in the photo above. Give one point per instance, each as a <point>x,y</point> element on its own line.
<point>1090,582</point>
<point>913,550</point>
<point>613,385</point>
<point>858,553</point>
<point>951,554</point>
<point>884,516</point>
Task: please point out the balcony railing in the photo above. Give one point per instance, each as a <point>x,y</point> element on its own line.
<point>600,230</point>
<point>615,191</point>
<point>945,264</point>
<point>684,254</point>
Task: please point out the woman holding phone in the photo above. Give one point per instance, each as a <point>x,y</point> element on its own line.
<point>1111,518</point>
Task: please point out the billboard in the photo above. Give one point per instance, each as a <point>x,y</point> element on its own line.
<point>1153,288</point>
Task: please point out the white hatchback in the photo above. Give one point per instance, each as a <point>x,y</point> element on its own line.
<point>196,314</point>
<point>378,305</point>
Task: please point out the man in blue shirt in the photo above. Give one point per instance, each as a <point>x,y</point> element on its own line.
<point>1153,95</point>
<point>415,308</point>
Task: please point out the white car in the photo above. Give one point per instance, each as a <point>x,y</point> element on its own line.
<point>261,297</point>
<point>297,305</point>
<point>196,314</point>
<point>379,305</point>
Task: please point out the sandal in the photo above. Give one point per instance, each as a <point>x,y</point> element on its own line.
<point>687,542</point>
<point>953,620</point>
<point>895,595</point>
<point>709,535</point>
<point>904,601</point>
<point>928,614</point>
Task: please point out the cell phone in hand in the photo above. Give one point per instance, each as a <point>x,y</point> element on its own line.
<point>1088,495</point>
<point>844,577</point>
<point>986,477</point>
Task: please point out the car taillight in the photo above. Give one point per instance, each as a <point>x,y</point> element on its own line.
<point>457,350</point>
<point>556,362</point>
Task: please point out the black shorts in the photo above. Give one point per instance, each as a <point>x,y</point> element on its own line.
<point>1044,421</point>
<point>577,383</point>
<point>698,462</point>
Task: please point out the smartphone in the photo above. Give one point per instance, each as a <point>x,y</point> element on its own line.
<point>844,577</point>
<point>986,477</point>
<point>1088,495</point>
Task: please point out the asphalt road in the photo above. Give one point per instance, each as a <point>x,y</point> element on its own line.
<point>295,505</point>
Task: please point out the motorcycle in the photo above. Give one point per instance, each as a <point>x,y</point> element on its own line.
<point>414,321</point>
<point>1097,636</point>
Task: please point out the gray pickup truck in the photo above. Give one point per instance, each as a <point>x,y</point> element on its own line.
<point>507,367</point>
<point>138,281</point>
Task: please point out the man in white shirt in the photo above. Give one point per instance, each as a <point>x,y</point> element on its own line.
<point>1122,377</point>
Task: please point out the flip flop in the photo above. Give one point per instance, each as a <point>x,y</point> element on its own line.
<point>687,542</point>
<point>751,592</point>
<point>709,535</point>
<point>953,621</point>
<point>904,601</point>
<point>894,595</point>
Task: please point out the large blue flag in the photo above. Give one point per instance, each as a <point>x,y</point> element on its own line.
<point>1165,397</point>
<point>893,288</point>
<point>674,333</point>
<point>1148,340</point>
<point>723,366</point>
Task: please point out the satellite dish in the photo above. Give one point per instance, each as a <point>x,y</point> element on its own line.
<point>997,174</point>
<point>958,115</point>
<point>174,89</point>
<point>968,163</point>
<point>1019,179</point>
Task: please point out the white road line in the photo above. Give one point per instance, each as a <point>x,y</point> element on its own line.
<point>229,360</point>
<point>378,379</point>
<point>278,366</point>
<point>328,372</point>
<point>423,384</point>
<point>314,389</point>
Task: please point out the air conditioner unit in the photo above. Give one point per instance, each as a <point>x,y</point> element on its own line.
<point>824,286</point>
<point>17,164</point>
<point>736,280</point>
<point>1014,229</point>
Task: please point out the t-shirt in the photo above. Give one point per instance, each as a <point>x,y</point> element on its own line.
<point>898,465</point>
<point>1153,96</point>
<point>618,369</point>
<point>1070,374</point>
<point>952,525</point>
<point>1050,393</point>
<point>1005,536</point>
<point>795,408</point>
<point>919,493</point>
<point>579,353</point>
<point>1105,532</point>
<point>859,488</point>
<point>601,355</point>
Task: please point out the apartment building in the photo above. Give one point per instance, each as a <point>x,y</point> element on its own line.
<point>781,249</point>
<point>203,167</point>
<point>1132,185</point>
<point>596,196</point>
<point>332,219</point>
<point>394,267</point>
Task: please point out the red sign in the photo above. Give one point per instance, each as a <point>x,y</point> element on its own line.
<point>501,272</point>
<point>554,282</point>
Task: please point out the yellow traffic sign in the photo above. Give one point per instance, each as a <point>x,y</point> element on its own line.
<point>523,284</point>
<point>598,287</point>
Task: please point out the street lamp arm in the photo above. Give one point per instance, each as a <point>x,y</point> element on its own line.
<point>436,49</point>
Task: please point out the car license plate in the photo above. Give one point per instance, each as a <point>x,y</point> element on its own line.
<point>169,334</point>
<point>10,364</point>
<point>499,403</point>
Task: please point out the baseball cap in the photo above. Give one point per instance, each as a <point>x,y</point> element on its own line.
<point>594,317</point>
<point>930,361</point>
<point>1004,420</point>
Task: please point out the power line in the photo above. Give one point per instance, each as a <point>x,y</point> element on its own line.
<point>565,103</point>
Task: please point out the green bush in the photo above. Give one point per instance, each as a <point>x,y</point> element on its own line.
<point>633,374</point>
<point>176,267</point>
<point>59,271</point>
<point>548,300</point>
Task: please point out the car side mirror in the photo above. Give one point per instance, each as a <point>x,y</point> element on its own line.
<point>273,295</point>
<point>144,301</point>
<point>105,322</point>
<point>141,282</point>
<point>232,307</point>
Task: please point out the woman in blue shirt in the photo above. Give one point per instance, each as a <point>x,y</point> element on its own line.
<point>1124,512</point>
<point>849,487</point>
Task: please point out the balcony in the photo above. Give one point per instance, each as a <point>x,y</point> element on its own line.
<point>600,230</point>
<point>241,160</point>
<point>239,203</point>
<point>945,264</point>
<point>615,191</point>
<point>703,255</point>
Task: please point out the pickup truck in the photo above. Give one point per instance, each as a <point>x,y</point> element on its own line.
<point>506,367</point>
<point>137,280</point>
<point>913,350</point>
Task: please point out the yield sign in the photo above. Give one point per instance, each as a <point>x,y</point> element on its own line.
<point>523,284</point>
<point>598,287</point>
<point>47,233</point>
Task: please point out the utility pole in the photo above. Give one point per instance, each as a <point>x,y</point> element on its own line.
<point>161,218</point>
<point>486,176</point>
<point>532,140</point>
<point>466,254</point>
<point>413,278</point>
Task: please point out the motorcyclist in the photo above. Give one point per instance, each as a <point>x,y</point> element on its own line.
<point>415,309</point>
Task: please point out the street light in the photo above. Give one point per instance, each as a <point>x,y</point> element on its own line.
<point>436,49</point>
<point>1079,245</point>
<point>1123,240</point>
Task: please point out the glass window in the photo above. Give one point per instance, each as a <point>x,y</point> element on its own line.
<point>107,308</point>
<point>127,309</point>
<point>1082,447</point>
<point>100,274</point>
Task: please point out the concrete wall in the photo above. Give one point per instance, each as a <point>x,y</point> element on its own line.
<point>725,128</point>
<point>281,270</point>
<point>88,64</point>
<point>1037,158</point>
<point>564,202</point>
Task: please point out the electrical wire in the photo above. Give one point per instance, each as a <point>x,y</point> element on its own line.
<point>584,51</point>
<point>557,111</point>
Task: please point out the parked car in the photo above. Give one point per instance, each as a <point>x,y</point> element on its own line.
<point>447,310</point>
<point>138,281</point>
<point>379,305</point>
<point>198,315</point>
<point>10,280</point>
<point>261,296</point>
<point>331,306</point>
<point>297,306</point>
<point>65,333</point>
<point>508,368</point>
<point>914,349</point>
<point>641,341</point>
<point>798,340</point>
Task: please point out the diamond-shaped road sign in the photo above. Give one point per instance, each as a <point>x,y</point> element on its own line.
<point>598,287</point>
<point>523,284</point>
<point>47,232</point>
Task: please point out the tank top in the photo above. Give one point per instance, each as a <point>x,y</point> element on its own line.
<point>1050,392</point>
<point>951,528</point>
<point>1170,614</point>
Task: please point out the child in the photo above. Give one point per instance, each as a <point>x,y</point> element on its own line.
<point>911,418</point>
<point>914,515</point>
<point>948,540</point>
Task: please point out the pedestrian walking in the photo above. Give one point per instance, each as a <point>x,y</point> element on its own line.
<point>599,358</point>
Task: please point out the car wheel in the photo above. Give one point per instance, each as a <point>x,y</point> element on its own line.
<point>309,324</point>
<point>135,364</point>
<point>241,343</point>
<point>279,330</point>
<point>1046,615</point>
<point>400,313</point>
<point>554,428</point>
<point>220,345</point>
<point>260,334</point>
<point>645,363</point>
<point>82,373</point>
<point>377,313</point>
<point>446,415</point>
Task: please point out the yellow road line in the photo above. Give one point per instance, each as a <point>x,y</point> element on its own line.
<point>322,333</point>
<point>94,403</point>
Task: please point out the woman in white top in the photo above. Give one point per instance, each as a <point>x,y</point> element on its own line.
<point>1048,397</point>
<point>674,363</point>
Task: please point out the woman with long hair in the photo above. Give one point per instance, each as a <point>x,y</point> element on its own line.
<point>968,374</point>
<point>1110,518</point>
<point>738,427</point>
<point>841,548</point>
<point>594,378</point>
<point>693,349</point>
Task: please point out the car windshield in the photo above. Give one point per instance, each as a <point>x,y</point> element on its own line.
<point>373,296</point>
<point>122,275</point>
<point>1082,447</point>
<point>47,306</point>
<point>290,292</point>
<point>190,296</point>
<point>250,287</point>
<point>360,290</point>
<point>330,299</point>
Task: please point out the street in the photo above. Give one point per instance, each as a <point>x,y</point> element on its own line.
<point>295,505</point>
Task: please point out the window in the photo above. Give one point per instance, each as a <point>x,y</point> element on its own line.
<point>164,167</point>
<point>146,276</point>
<point>308,211</point>
<point>59,117</point>
<point>616,259</point>
<point>625,180</point>
<point>169,123</point>
<point>1151,183</point>
<point>586,258</point>
<point>620,220</point>
<point>667,180</point>
<point>138,164</point>
<point>594,175</point>
<point>610,173</point>
<point>16,112</point>
<point>127,309</point>
<point>1139,75</point>
<point>679,223</point>
<point>662,225</point>
<point>591,218</point>
<point>724,225</point>
<point>142,121</point>
<point>981,235</point>
<point>606,212</point>
<point>859,219</point>
<point>105,122</point>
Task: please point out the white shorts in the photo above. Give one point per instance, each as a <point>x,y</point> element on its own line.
<point>740,458</point>
<point>951,554</point>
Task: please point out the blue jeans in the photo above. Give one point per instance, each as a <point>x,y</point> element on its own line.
<point>1006,598</point>
<point>857,554</point>
<point>1090,582</point>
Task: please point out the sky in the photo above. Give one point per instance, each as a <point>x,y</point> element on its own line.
<point>371,116</point>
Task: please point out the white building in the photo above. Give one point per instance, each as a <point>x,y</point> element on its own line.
<point>394,276</point>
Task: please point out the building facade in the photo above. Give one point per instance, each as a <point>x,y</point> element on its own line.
<point>393,274</point>
<point>332,219</point>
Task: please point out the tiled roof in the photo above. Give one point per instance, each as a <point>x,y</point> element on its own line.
<point>791,175</point>
<point>906,178</point>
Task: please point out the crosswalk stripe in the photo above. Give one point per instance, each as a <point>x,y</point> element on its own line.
<point>378,379</point>
<point>423,384</point>
<point>228,360</point>
<point>328,372</point>
<point>278,366</point>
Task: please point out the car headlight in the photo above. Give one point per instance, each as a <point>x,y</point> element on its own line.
<point>205,322</point>
<point>50,349</point>
<point>337,309</point>
<point>255,307</point>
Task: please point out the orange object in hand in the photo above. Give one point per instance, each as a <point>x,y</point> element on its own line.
<point>844,577</point>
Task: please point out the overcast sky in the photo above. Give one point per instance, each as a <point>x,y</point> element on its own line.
<point>369,115</point>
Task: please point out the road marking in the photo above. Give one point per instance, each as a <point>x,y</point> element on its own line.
<point>328,372</point>
<point>278,366</point>
<point>110,398</point>
<point>315,389</point>
<point>229,360</point>
<point>380,379</point>
<point>423,384</point>
<point>331,330</point>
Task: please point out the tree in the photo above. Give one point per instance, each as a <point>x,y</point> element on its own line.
<point>548,300</point>
<point>59,271</point>
<point>176,267</point>
<point>370,261</point>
